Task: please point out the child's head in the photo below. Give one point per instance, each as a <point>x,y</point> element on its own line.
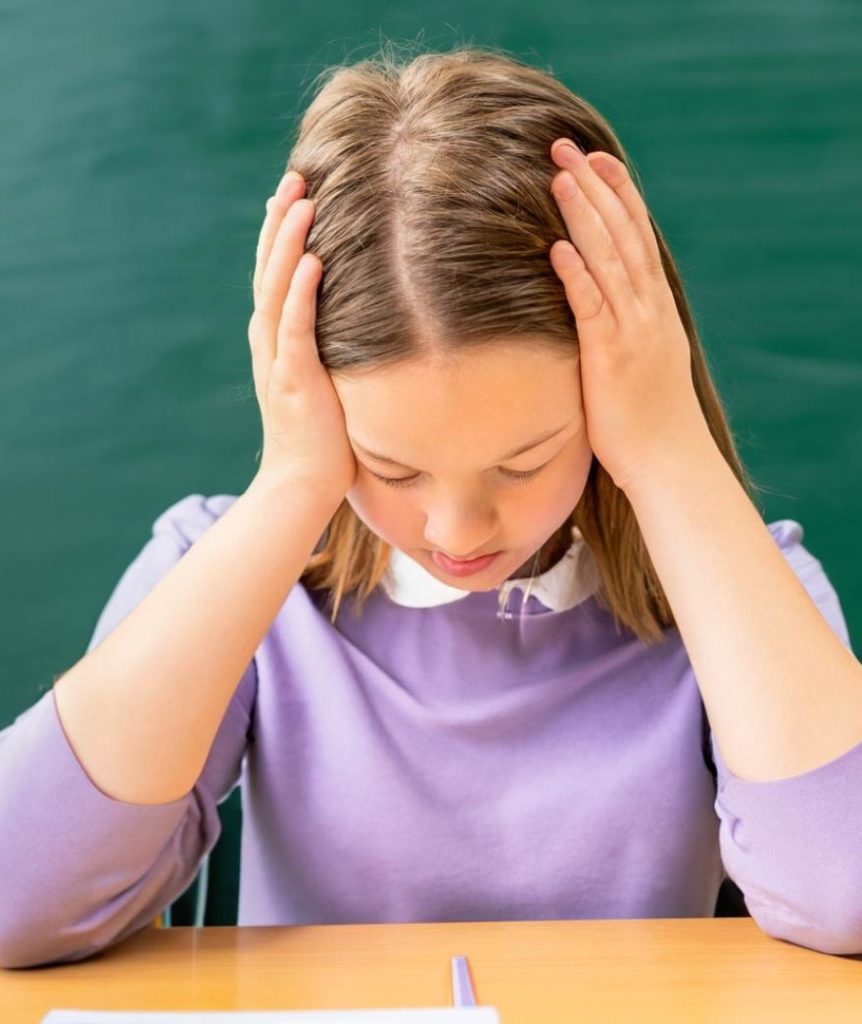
<point>447,333</point>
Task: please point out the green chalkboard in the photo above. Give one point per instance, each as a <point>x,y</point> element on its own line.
<point>142,140</point>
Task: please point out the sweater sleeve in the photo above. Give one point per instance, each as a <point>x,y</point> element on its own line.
<point>82,870</point>
<point>792,845</point>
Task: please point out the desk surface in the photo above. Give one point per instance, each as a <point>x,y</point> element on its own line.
<point>535,972</point>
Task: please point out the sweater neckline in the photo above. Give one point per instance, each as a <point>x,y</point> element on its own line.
<point>572,579</point>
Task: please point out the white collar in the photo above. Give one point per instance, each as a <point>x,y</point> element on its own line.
<point>571,580</point>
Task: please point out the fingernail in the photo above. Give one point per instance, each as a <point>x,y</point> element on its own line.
<point>286,182</point>
<point>603,166</point>
<point>568,148</point>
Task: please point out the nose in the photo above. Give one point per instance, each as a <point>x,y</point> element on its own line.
<point>461,533</point>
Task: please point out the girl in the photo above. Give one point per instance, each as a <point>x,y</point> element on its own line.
<point>458,639</point>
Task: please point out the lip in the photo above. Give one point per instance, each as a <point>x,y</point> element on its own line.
<point>466,568</point>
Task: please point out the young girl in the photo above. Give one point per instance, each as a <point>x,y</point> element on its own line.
<point>496,597</point>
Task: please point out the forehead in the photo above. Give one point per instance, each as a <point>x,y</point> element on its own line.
<point>494,397</point>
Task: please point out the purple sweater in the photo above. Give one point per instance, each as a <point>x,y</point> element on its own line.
<point>430,761</point>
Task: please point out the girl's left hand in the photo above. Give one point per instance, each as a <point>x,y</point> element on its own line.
<point>635,360</point>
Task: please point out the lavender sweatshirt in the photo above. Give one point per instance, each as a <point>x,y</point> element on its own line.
<point>432,761</point>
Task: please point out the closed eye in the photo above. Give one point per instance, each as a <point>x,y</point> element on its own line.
<point>407,481</point>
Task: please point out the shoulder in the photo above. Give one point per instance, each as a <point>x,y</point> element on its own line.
<point>185,520</point>
<point>174,531</point>
<point>788,535</point>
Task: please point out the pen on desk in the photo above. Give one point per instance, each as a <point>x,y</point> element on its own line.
<point>462,987</point>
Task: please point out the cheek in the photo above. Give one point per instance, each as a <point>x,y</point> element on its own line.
<point>386,515</point>
<point>561,486</point>
<point>572,477</point>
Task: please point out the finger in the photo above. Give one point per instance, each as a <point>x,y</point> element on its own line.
<point>287,248</point>
<point>285,254</point>
<point>633,246</point>
<point>289,190</point>
<point>593,241</point>
<point>297,345</point>
<point>583,294</point>
<point>616,176</point>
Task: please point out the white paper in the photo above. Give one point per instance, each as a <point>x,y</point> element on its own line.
<point>418,1015</point>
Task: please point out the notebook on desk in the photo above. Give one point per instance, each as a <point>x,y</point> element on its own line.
<point>419,1015</point>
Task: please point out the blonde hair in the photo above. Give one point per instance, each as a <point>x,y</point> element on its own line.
<point>433,219</point>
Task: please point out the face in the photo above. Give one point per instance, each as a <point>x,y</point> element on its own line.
<point>450,425</point>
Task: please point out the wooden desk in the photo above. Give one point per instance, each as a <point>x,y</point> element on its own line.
<point>696,970</point>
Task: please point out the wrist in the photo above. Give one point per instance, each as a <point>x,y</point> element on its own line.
<point>288,490</point>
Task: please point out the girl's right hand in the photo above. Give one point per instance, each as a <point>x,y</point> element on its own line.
<point>304,432</point>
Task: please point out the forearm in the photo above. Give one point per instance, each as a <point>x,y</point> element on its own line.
<point>142,708</point>
<point>783,694</point>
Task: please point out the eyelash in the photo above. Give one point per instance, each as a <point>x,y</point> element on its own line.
<point>406,481</point>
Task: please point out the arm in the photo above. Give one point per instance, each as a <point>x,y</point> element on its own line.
<point>83,868</point>
<point>783,693</point>
<point>163,678</point>
<point>782,689</point>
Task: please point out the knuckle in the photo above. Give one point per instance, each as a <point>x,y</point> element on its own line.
<point>261,319</point>
<point>631,225</point>
<point>614,170</point>
<point>653,266</point>
<point>609,255</point>
<point>562,187</point>
<point>287,325</point>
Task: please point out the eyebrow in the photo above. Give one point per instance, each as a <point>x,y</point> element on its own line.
<point>503,458</point>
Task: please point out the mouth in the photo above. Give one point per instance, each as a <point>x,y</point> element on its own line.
<point>464,567</point>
